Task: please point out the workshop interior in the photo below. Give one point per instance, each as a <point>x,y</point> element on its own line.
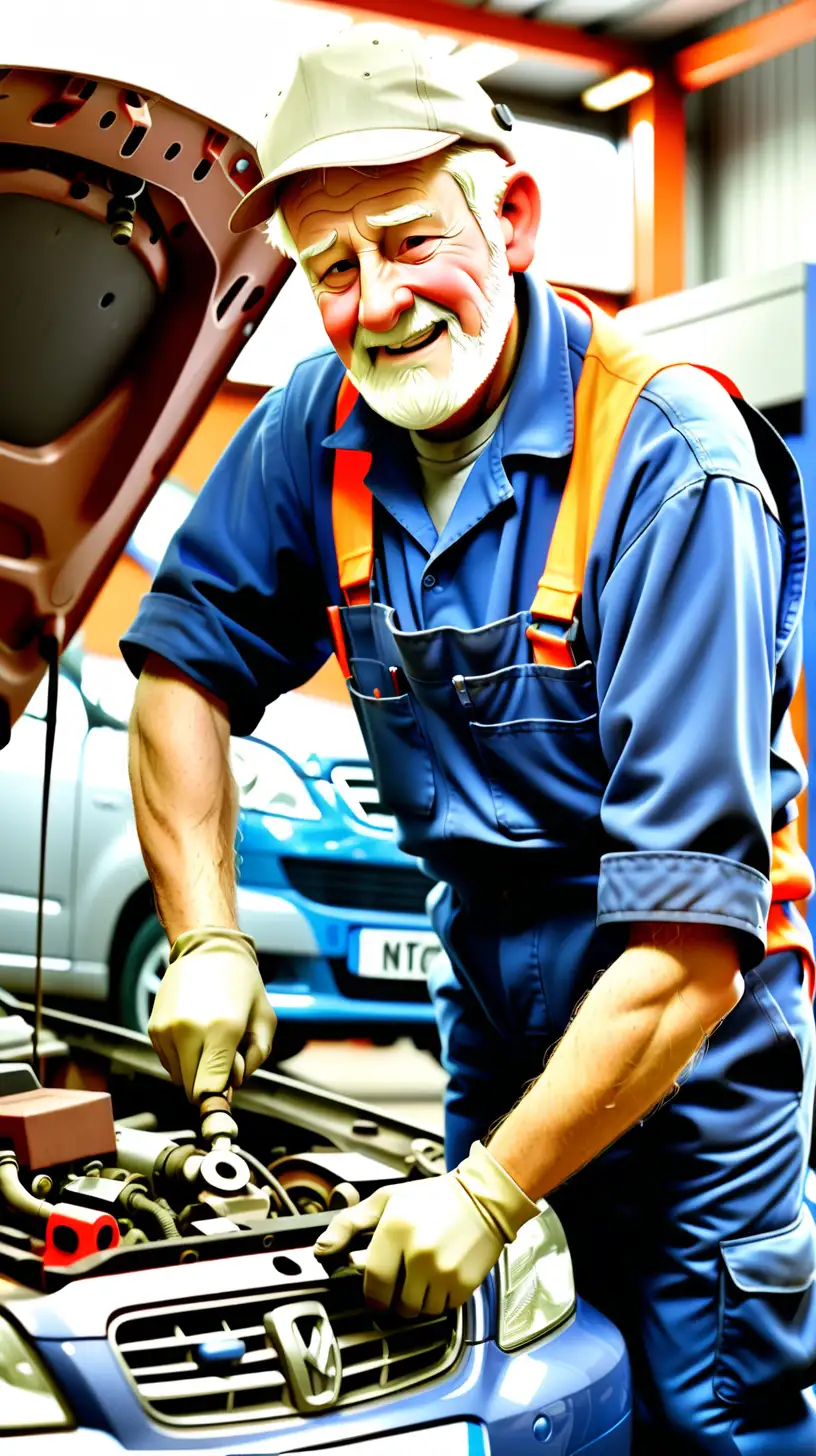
<point>159,1284</point>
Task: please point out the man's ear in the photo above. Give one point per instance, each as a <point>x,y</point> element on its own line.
<point>520,215</point>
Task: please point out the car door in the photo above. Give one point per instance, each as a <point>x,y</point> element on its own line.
<point>21,782</point>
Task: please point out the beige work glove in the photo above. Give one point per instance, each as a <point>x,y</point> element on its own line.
<point>434,1241</point>
<point>212,1023</point>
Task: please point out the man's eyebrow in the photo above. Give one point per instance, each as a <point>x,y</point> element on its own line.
<point>320,247</point>
<point>410,212</point>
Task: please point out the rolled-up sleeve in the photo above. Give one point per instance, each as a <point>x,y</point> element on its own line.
<point>238,603</point>
<point>685,683</point>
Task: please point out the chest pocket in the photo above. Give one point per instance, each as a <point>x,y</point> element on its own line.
<point>398,753</point>
<point>535,728</point>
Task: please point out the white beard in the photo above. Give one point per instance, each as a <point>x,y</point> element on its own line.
<point>409,395</point>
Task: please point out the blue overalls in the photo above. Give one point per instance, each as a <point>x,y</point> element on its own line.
<point>555,805</point>
<point>522,735</point>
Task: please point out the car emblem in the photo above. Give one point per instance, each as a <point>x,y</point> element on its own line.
<point>309,1353</point>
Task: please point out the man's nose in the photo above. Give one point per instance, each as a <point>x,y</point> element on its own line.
<point>383,297</point>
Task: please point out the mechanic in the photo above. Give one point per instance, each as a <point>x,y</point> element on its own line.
<point>591,763</point>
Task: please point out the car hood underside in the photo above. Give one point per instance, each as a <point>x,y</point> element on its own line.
<point>125,300</point>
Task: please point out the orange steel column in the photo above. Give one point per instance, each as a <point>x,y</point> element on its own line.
<point>657,131</point>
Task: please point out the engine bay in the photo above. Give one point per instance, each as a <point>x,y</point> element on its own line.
<point>105,1166</point>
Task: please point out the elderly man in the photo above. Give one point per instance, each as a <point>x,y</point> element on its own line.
<point>564,584</point>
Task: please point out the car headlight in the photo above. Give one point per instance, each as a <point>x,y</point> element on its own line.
<point>28,1400</point>
<point>267,781</point>
<point>536,1285</point>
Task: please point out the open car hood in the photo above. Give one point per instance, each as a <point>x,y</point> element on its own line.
<point>125,300</point>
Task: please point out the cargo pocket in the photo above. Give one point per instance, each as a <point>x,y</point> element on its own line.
<point>398,752</point>
<point>767,1343</point>
<point>545,774</point>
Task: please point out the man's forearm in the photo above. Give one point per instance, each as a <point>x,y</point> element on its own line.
<point>635,1032</point>
<point>184,797</point>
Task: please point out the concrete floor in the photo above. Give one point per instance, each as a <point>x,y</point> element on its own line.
<point>406,1082</point>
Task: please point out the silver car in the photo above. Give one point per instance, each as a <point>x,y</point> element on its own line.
<point>98,898</point>
<point>324,870</point>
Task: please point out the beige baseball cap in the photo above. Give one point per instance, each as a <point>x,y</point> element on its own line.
<point>372,96</point>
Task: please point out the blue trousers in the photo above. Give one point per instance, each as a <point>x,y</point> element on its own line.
<point>691,1233</point>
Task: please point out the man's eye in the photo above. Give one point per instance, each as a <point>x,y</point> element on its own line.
<point>338,269</point>
<point>418,240</point>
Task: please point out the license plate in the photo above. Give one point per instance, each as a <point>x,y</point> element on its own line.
<point>405,955</point>
<point>459,1439</point>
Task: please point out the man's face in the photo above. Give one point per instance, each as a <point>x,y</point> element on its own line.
<point>413,298</point>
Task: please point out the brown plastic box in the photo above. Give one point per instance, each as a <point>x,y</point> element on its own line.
<point>50,1125</point>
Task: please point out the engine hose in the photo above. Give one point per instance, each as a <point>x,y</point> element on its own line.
<point>15,1195</point>
<point>140,1202</point>
<point>269,1179</point>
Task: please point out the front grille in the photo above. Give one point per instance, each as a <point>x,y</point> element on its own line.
<point>355,784</point>
<point>379,1354</point>
<point>359,886</point>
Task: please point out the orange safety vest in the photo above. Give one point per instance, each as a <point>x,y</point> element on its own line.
<point>614,373</point>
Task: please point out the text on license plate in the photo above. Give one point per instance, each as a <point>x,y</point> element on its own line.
<point>407,955</point>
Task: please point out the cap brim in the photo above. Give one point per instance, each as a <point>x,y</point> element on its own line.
<point>350,149</point>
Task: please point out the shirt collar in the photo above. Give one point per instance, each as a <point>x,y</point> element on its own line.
<point>539,418</point>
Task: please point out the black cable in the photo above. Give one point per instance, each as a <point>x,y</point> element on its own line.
<point>163,1216</point>
<point>269,1179</point>
<point>49,648</point>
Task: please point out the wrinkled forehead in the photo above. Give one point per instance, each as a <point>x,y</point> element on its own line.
<point>317,202</point>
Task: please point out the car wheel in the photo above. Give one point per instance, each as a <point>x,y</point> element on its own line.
<point>140,977</point>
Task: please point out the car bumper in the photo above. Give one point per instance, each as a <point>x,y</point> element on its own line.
<point>301,944</point>
<point>461,1439</point>
<point>573,1388</point>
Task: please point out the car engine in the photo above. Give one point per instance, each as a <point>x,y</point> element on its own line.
<point>106,1170</point>
<point>74,1183</point>
<point>78,1182</point>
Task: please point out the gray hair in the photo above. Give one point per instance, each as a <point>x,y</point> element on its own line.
<point>480,172</point>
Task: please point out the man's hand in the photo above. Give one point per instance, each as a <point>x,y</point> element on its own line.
<point>434,1241</point>
<point>212,1023</point>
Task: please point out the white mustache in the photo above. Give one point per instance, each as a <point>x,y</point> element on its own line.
<point>418,319</point>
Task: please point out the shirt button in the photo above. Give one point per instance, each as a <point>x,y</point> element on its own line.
<point>429,581</point>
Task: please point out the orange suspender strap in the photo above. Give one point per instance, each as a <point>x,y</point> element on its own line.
<point>352,510</point>
<point>353,525</point>
<point>614,373</point>
<point>791,880</point>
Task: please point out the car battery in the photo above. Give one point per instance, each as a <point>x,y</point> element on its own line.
<point>47,1126</point>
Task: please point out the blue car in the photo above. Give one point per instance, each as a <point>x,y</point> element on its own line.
<point>337,911</point>
<point>205,1323</point>
<point>345,945</point>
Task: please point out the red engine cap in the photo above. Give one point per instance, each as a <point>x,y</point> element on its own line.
<point>73,1233</point>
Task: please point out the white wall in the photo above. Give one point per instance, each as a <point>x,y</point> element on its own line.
<point>751,182</point>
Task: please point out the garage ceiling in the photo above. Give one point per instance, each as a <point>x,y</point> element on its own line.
<point>639,20</point>
<point>222,63</point>
<point>549,51</point>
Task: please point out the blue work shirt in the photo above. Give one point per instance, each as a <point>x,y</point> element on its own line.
<point>690,611</point>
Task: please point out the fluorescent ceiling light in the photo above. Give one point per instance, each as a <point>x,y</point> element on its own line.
<point>483,58</point>
<point>617,90</point>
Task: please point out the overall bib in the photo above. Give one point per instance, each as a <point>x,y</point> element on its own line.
<point>691,1233</point>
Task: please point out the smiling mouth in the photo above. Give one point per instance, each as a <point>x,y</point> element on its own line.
<point>413,346</point>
